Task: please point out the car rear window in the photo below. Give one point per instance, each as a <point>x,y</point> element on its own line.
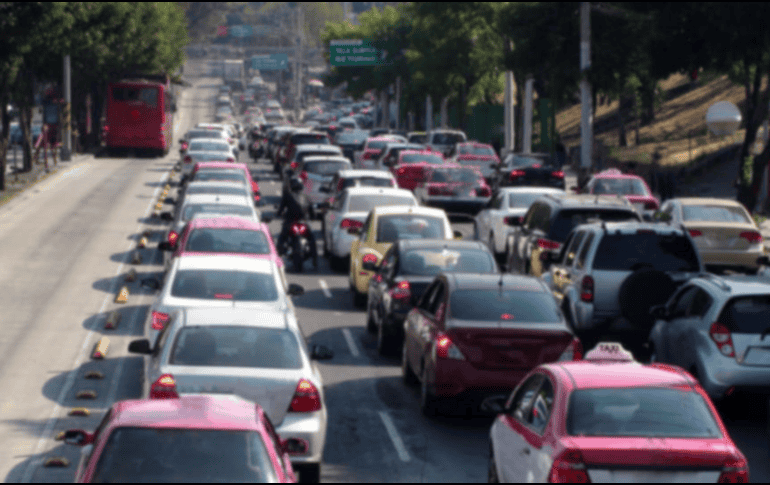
<point>747,314</point>
<point>619,186</point>
<point>418,138</point>
<point>376,145</point>
<point>476,150</point>
<point>183,455</point>
<point>568,219</point>
<point>228,241</point>
<point>210,284</point>
<point>432,158</point>
<point>663,252</point>
<point>528,162</point>
<point>716,213</point>
<point>429,262</point>
<point>325,168</point>
<point>310,138</point>
<point>352,137</point>
<point>522,200</point>
<point>365,203</point>
<point>191,210</point>
<point>236,346</point>
<point>494,305</point>
<point>217,191</point>
<point>445,175</point>
<point>208,146</point>
<point>392,228</point>
<point>367,182</point>
<point>645,411</point>
<point>219,176</point>
<point>191,135</point>
<point>447,138</point>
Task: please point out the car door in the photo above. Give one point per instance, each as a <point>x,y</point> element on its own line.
<point>520,234</point>
<point>684,336</point>
<point>561,271</point>
<point>413,325</point>
<point>671,329</point>
<point>433,321</point>
<point>355,247</point>
<point>87,451</point>
<point>379,285</point>
<point>153,362</point>
<point>332,217</point>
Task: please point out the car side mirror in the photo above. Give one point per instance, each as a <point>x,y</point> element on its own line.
<point>369,266</point>
<point>659,312</point>
<point>321,352</point>
<point>166,216</point>
<point>165,246</point>
<point>295,290</point>
<point>140,346</point>
<point>355,231</point>
<point>77,437</point>
<point>457,235</point>
<point>152,283</point>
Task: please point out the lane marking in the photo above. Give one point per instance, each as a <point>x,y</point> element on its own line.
<point>351,342</point>
<point>325,288</point>
<point>398,444</point>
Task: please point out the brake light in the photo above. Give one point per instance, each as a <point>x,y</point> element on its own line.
<point>299,228</point>
<point>402,291</point>
<point>587,289</point>
<point>517,173</point>
<point>559,174</point>
<point>294,165</point>
<point>172,237</point>
<point>695,233</point>
<point>306,398</point>
<point>446,349</point>
<point>510,220</point>
<point>303,175</point>
<point>568,467</point>
<point>483,192</point>
<point>369,258</point>
<point>753,237</point>
<point>547,244</point>
<point>184,146</point>
<point>255,188</point>
<point>574,351</point>
<point>721,336</point>
<point>230,160</point>
<point>159,320</point>
<point>164,388</point>
<point>735,470</point>
<point>187,159</point>
<point>651,205</point>
<point>348,223</point>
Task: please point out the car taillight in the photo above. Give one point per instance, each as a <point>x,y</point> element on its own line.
<point>517,173</point>
<point>559,174</point>
<point>255,188</point>
<point>164,388</point>
<point>231,160</point>
<point>574,351</point>
<point>172,237</point>
<point>187,159</point>
<point>184,146</point>
<point>299,228</point>
<point>753,237</point>
<point>159,320</point>
<point>369,258</point>
<point>587,289</point>
<point>348,223</point>
<point>303,175</point>
<point>306,398</point>
<point>695,233</point>
<point>402,291</point>
<point>721,336</point>
<point>651,205</point>
<point>513,219</point>
<point>483,192</point>
<point>547,244</point>
<point>735,470</point>
<point>568,467</point>
<point>294,165</point>
<point>446,349</point>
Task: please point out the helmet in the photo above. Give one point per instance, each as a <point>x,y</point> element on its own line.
<point>295,184</point>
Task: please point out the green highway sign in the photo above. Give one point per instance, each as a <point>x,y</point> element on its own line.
<point>240,30</point>
<point>355,52</point>
<point>270,62</point>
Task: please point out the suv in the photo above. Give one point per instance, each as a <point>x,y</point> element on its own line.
<point>444,141</point>
<point>608,270</point>
<point>527,169</point>
<point>549,221</point>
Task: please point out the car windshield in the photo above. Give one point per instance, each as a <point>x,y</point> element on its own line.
<point>191,210</point>
<point>747,314</point>
<point>366,182</point>
<point>643,411</point>
<point>377,144</point>
<point>392,228</point>
<point>208,146</point>
<point>365,203</point>
<point>310,138</point>
<point>211,156</point>
<point>216,190</point>
<point>522,200</point>
<point>236,346</point>
<point>528,162</point>
<point>447,138</point>
<point>476,150</point>
<point>191,135</point>
<point>352,137</point>
<point>715,213</point>
<point>325,168</point>
<point>216,175</point>
<point>449,175</point>
<point>157,455</point>
<point>566,220</point>
<point>663,252</point>
<point>619,186</point>
<point>226,110</point>
<point>210,284</point>
<point>213,240</point>
<point>429,262</point>
<point>525,305</point>
<point>421,139</point>
<point>432,158</point>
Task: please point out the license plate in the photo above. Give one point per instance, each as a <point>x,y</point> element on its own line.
<point>759,356</point>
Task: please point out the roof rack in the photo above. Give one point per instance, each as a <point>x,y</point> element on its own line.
<point>720,282</point>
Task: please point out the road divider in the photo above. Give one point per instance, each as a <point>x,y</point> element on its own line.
<point>101,348</point>
<point>87,394</point>
<point>142,242</point>
<point>122,296</point>
<point>113,319</point>
<point>351,343</point>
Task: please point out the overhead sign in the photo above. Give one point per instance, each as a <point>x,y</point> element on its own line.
<point>240,31</point>
<point>355,52</point>
<point>270,62</point>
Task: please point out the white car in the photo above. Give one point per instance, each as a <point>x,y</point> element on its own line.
<point>199,133</point>
<point>226,127</point>
<point>316,172</point>
<point>217,188</point>
<point>205,150</point>
<point>358,178</point>
<point>491,224</point>
<point>444,141</point>
<point>349,210</point>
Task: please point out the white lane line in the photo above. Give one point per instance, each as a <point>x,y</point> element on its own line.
<point>70,381</point>
<point>351,343</point>
<point>325,288</point>
<point>398,444</point>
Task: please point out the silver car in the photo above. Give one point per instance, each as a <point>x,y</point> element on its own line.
<point>317,172</point>
<point>257,355</point>
<point>206,150</point>
<point>715,327</point>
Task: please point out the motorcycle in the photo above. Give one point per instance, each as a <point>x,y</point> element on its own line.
<point>299,246</point>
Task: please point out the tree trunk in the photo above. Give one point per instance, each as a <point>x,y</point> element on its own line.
<point>756,110</point>
<point>622,121</point>
<point>647,92</point>
<point>5,126</point>
<point>464,108</point>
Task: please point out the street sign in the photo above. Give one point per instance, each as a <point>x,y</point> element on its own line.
<point>270,62</point>
<point>355,52</point>
<point>240,31</point>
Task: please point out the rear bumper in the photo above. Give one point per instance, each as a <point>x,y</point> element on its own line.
<point>558,183</point>
<point>455,378</point>
<point>718,374</point>
<point>310,427</point>
<point>728,259</point>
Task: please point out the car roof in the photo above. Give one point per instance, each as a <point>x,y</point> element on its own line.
<point>424,151</point>
<point>408,244</point>
<point>228,222</point>
<point>475,144</point>
<point>378,191</point>
<point>568,200</point>
<point>358,172</point>
<point>631,227</point>
<point>214,183</point>
<point>530,190</point>
<point>615,174</point>
<point>209,140</point>
<point>225,262</point>
<point>325,158</point>
<point>587,374</point>
<point>318,147</point>
<point>411,209</point>
<point>189,411</point>
<point>217,199</point>
<point>202,165</point>
<point>707,201</point>
<point>492,280</point>
<point>231,316</point>
<point>384,138</point>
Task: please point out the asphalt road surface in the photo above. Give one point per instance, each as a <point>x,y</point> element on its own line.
<point>65,247</point>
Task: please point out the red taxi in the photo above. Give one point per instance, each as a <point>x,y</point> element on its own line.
<point>632,187</point>
<point>609,418</point>
<point>195,438</point>
<point>230,166</point>
<point>413,165</point>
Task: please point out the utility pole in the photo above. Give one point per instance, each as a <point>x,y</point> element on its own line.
<point>509,118</point>
<point>428,113</point>
<point>66,149</point>
<point>298,56</point>
<point>526,142</point>
<point>586,113</point>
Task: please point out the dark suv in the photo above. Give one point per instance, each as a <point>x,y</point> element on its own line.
<point>532,169</point>
<point>549,221</point>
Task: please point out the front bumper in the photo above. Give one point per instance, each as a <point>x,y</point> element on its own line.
<point>310,427</point>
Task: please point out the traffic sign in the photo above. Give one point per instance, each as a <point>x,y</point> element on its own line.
<point>270,62</point>
<point>353,52</point>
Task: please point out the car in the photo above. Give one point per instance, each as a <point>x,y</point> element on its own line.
<point>475,154</point>
<point>390,154</point>
<point>348,123</point>
<point>609,418</point>
<point>224,100</point>
<point>506,208</point>
<point>412,166</point>
<point>198,133</point>
<point>273,138</point>
<point>233,138</point>
<point>259,355</point>
<point>280,145</point>
<point>417,137</point>
<point>214,188</point>
<point>444,141</point>
<point>715,328</point>
<point>726,235</point>
<point>528,169</point>
<point>549,221</point>
<point>632,187</point>
<point>356,178</point>
<point>372,149</point>
<point>208,171</point>
<point>303,151</point>
<point>454,188</point>
<point>349,211</point>
<point>609,274</point>
<point>302,138</point>
<point>330,128</point>
<point>350,141</point>
<point>383,227</point>
<point>472,337</point>
<point>316,172</point>
<point>205,150</point>
<point>205,438</point>
<point>404,273</point>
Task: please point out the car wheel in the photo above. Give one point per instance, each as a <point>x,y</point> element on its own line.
<point>371,326</point>
<point>308,472</point>
<point>297,256</point>
<point>492,469</point>
<point>386,341</point>
<point>410,378</point>
<point>428,404</point>
<point>359,300</point>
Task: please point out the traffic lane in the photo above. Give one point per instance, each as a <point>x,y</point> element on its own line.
<point>748,425</point>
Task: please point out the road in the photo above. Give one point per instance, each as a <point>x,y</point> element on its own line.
<point>65,247</point>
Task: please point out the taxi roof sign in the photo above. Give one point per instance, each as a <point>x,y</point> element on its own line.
<point>609,352</point>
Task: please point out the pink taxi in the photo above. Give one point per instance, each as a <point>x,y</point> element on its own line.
<point>229,171</point>
<point>632,187</point>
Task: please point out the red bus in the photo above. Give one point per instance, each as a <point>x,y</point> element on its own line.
<point>139,115</point>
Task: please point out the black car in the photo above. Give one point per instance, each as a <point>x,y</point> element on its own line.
<point>406,270</point>
<point>351,141</point>
<point>532,169</point>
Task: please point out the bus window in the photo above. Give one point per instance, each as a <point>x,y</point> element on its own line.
<point>148,96</point>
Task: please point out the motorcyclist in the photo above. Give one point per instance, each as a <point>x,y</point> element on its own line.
<point>294,205</point>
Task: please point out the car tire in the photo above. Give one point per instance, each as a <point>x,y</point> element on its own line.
<point>371,326</point>
<point>359,300</point>
<point>386,341</point>
<point>296,255</point>
<point>410,378</point>
<point>337,264</point>
<point>641,290</point>
<point>308,472</point>
<point>428,402</point>
<point>492,468</point>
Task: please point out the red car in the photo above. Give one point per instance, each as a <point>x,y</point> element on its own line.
<point>227,165</point>
<point>632,187</point>
<point>475,154</point>
<point>412,167</point>
<point>454,188</point>
<point>472,337</point>
<point>611,419</point>
<point>196,438</point>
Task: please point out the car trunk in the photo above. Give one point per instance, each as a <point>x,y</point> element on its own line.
<point>410,176</point>
<point>748,320</point>
<point>501,345</point>
<point>720,235</point>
